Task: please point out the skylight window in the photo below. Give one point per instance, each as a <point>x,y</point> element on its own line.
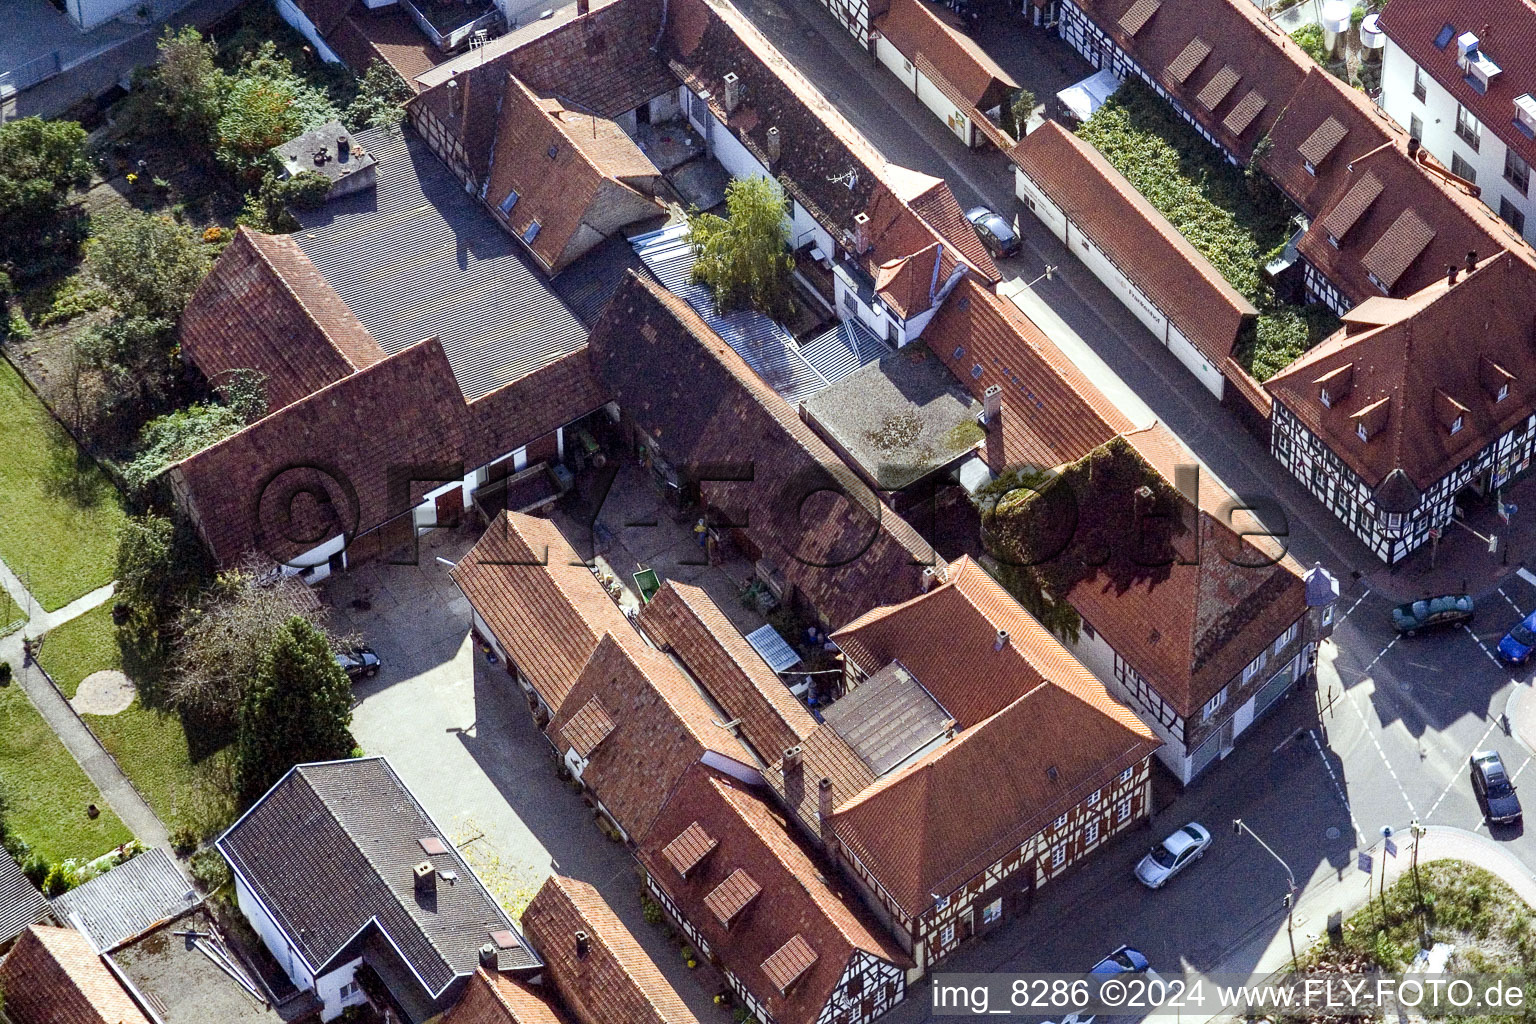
<point>531,233</point>
<point>1447,32</point>
<point>975,371</point>
<point>509,202</point>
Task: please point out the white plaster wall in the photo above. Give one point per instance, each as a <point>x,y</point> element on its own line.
<point>328,988</point>
<point>286,957</point>
<point>285,10</point>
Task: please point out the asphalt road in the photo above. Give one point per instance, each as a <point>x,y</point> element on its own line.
<point>1385,739</point>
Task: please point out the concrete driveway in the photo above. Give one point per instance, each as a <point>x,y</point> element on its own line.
<point>457,730</point>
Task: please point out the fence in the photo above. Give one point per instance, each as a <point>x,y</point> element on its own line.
<point>29,74</point>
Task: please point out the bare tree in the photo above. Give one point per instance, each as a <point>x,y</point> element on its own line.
<point>223,641</point>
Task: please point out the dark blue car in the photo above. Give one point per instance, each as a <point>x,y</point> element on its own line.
<point>1518,643</point>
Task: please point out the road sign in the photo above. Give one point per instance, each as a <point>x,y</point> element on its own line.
<point>1365,862</point>
<point>1391,848</point>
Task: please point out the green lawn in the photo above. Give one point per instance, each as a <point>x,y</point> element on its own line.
<point>59,515</point>
<point>45,791</point>
<point>152,747</point>
<point>79,647</point>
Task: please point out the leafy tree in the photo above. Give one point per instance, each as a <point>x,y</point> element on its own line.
<point>298,708</point>
<point>161,566</point>
<point>745,257</point>
<point>268,104</point>
<point>1019,111</point>
<point>380,100</point>
<point>149,265</point>
<point>40,162</point>
<point>1310,39</point>
<point>136,357</point>
<point>168,439</point>
<point>221,649</point>
<point>189,88</point>
<point>266,209</point>
<point>245,393</point>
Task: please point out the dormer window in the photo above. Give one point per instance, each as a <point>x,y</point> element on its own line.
<point>1310,169</point>
<point>1361,432</point>
<point>1503,392</point>
<point>1322,396</point>
<point>1456,424</point>
<point>1333,241</point>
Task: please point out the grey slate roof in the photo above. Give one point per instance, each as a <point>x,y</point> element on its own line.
<point>21,904</point>
<point>888,718</point>
<point>332,846</point>
<point>416,257</point>
<point>130,899</point>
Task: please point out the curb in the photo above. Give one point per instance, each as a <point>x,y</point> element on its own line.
<point>1518,700</point>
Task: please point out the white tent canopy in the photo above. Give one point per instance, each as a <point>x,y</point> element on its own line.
<point>1082,99</point>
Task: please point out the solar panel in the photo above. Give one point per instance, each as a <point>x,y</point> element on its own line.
<point>773,648</point>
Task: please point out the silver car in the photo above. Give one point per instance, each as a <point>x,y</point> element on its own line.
<point>1173,855</point>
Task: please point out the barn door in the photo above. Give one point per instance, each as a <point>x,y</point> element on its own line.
<point>450,507</point>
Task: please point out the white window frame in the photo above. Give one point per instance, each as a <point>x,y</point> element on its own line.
<point>1091,833</point>
<point>947,934</point>
<point>992,911</point>
<point>1058,856</point>
<point>1457,424</point>
<point>1361,432</point>
<point>1255,666</point>
<point>1215,703</point>
<point>1123,809</point>
<point>1503,392</point>
<point>1286,637</point>
<point>1125,776</point>
<point>1093,797</point>
<point>1060,822</point>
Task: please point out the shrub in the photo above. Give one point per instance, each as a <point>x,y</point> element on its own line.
<point>209,869</point>
<point>61,878</point>
<point>1310,39</point>
<point>168,439</point>
<point>36,867</point>
<point>40,163</point>
<point>381,95</point>
<point>149,265</point>
<point>5,673</point>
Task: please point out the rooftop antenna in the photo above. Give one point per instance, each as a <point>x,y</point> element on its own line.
<point>477,44</point>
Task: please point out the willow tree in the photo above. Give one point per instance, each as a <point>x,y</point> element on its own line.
<point>744,256</point>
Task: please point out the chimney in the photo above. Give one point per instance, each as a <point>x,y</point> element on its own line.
<point>582,944</point>
<point>732,92</point>
<point>930,575</point>
<point>426,878</point>
<point>793,755</point>
<point>771,145</point>
<point>1471,261</point>
<point>1002,640</point>
<point>991,403</point>
<point>824,808</point>
<point>1413,147</point>
<point>861,240</point>
<point>582,7</point>
<point>1451,270</point>
<point>343,148</point>
<point>488,956</point>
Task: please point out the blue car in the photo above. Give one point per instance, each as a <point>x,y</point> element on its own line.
<point>1124,960</point>
<point>1518,643</point>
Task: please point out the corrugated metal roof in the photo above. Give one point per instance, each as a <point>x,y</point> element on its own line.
<point>765,346</point>
<point>418,257</point>
<point>21,904</point>
<point>843,349</point>
<point>130,899</point>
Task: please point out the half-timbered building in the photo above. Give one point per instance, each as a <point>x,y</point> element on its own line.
<point>971,761</point>
<point>794,946</point>
<point>1417,408</point>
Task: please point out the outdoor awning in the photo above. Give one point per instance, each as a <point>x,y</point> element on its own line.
<point>773,648</point>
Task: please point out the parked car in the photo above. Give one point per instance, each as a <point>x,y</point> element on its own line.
<point>1429,613</point>
<point>1173,855</point>
<point>1124,960</point>
<point>359,662</point>
<point>1518,643</point>
<point>1494,790</point>
<point>995,232</point>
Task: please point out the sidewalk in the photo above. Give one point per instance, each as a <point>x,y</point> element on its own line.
<point>77,738</point>
<point>1462,563</point>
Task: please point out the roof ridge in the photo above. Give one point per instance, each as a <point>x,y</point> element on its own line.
<point>286,241</point>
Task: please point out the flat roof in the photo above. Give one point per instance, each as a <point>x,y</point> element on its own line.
<point>899,419</point>
<point>183,985</point>
<point>417,257</point>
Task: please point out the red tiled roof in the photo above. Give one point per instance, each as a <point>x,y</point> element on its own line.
<point>577,176</point>
<point>801,896</point>
<point>1396,353</point>
<point>1192,628</point>
<point>614,981</point>
<point>787,963</point>
<point>1140,241</point>
<point>54,976</point>
<point>1506,31</point>
<point>941,212</point>
<point>602,61</point>
<point>683,619</point>
<point>690,847</point>
<point>324,14</point>
<point>544,606</point>
<point>491,997</point>
<point>388,34</point>
<point>663,725</point>
<point>1398,247</point>
<point>904,284</point>
<point>844,555</point>
<point>265,307</point>
<point>917,27</point>
<point>925,829</point>
<point>256,490</point>
<point>1052,414</point>
<point>1247,110</point>
<point>1199,50</point>
<point>588,727</point>
<point>1363,185</point>
<point>731,896</point>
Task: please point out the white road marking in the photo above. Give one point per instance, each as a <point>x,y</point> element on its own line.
<point>1352,607</point>
<point>1379,654</point>
<point>1511,602</point>
<point>1523,766</point>
<point>1526,575</point>
<point>1384,759</point>
<point>1337,787</point>
<point>1457,777</point>
<point>1491,656</point>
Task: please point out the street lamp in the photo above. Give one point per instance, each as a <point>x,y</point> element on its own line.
<point>1238,828</point>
